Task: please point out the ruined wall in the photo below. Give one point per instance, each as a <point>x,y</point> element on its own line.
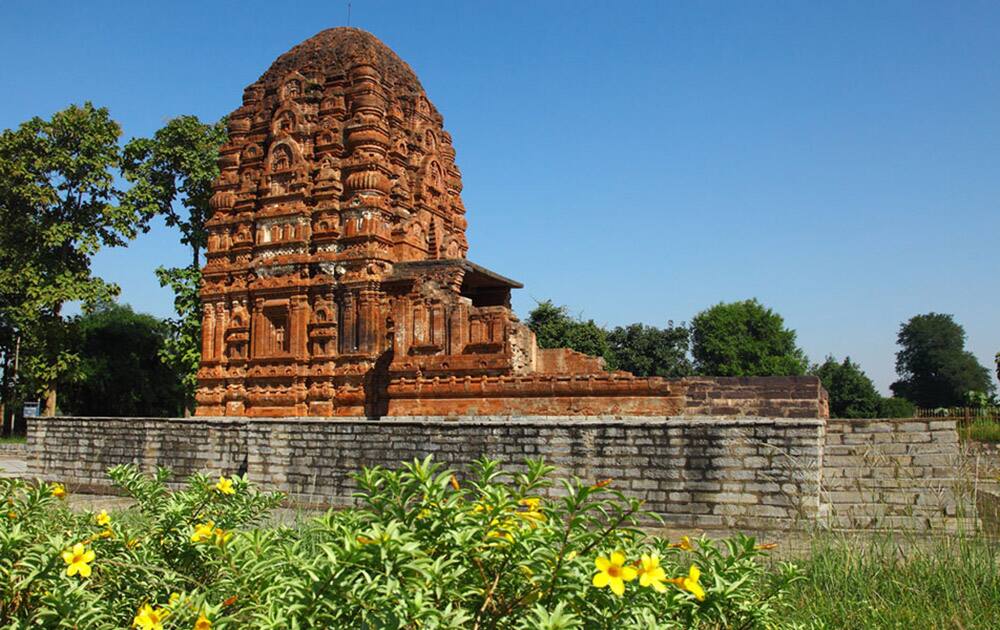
<point>693,472</point>
<point>79,451</point>
<point>891,474</point>
<point>770,396</point>
<point>701,472</point>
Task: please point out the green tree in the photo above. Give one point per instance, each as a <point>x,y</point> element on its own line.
<point>57,209</point>
<point>172,175</point>
<point>934,368</point>
<point>896,408</point>
<point>120,370</point>
<point>852,393</point>
<point>650,351</point>
<point>744,339</point>
<point>554,327</point>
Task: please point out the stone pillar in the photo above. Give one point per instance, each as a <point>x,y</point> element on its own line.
<point>207,332</point>
<point>221,321</point>
<point>348,338</point>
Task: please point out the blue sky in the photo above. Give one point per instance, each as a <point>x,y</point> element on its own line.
<point>636,161</point>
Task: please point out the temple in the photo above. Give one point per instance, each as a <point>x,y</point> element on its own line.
<point>337,283</point>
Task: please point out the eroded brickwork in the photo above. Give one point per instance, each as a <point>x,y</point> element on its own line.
<point>337,283</point>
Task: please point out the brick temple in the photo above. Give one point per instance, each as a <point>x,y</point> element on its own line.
<point>337,282</point>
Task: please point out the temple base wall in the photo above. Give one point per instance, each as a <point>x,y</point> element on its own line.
<point>696,472</point>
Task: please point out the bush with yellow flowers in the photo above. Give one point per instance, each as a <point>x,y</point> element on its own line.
<point>421,549</point>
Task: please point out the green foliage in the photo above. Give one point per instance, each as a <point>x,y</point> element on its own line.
<point>554,327</point>
<point>56,210</point>
<point>894,407</point>
<point>934,368</point>
<point>899,582</point>
<point>744,339</point>
<point>181,349</point>
<point>120,371</point>
<point>420,550</point>
<point>176,167</point>
<point>650,351</point>
<point>852,393</point>
<point>980,430</point>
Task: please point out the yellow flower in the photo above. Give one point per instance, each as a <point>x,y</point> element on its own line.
<point>106,534</point>
<point>222,536</point>
<point>58,491</point>
<point>149,618</point>
<point>103,518</point>
<point>651,573</point>
<point>203,532</point>
<point>601,484</point>
<point>611,571</point>
<point>454,482</point>
<point>202,623</point>
<point>174,598</point>
<point>225,486</point>
<point>12,515</point>
<point>684,544</point>
<point>766,546</point>
<point>78,559</point>
<point>531,503</point>
<point>690,583</point>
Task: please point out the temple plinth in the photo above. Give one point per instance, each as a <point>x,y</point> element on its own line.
<point>336,281</point>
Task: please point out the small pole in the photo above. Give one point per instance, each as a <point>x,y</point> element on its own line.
<point>348,12</point>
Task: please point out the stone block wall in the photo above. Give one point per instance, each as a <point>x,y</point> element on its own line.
<point>895,474</point>
<point>769,397</point>
<point>740,473</point>
<point>79,451</point>
<point>696,472</point>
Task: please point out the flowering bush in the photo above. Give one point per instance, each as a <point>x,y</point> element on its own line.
<point>422,549</point>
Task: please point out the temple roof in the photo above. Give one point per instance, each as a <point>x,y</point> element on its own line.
<point>475,275</point>
<point>335,51</point>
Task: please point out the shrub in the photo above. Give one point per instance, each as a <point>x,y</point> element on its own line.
<point>896,408</point>
<point>420,550</point>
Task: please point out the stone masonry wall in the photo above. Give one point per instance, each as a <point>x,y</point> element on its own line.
<point>769,397</point>
<point>701,472</point>
<point>704,472</point>
<point>893,474</point>
<point>746,473</point>
<point>79,451</point>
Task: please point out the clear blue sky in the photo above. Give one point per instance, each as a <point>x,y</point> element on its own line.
<point>636,161</point>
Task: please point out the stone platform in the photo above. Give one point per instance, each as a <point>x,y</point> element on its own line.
<point>699,472</point>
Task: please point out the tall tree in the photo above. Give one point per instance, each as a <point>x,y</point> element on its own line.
<point>56,210</point>
<point>744,339</point>
<point>650,351</point>
<point>934,368</point>
<point>554,327</point>
<point>852,393</point>
<point>171,175</point>
<point>120,370</point>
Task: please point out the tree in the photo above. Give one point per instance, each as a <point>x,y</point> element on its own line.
<point>554,327</point>
<point>120,371</point>
<point>852,393</point>
<point>934,368</point>
<point>650,351</point>
<point>744,339</point>
<point>896,408</point>
<point>56,210</point>
<point>176,168</point>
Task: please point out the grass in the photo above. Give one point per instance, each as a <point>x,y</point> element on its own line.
<point>14,439</point>
<point>981,430</point>
<point>899,582</point>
